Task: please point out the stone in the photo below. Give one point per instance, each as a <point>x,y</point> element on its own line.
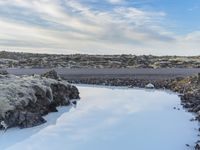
<point>197,146</point>
<point>28,119</point>
<point>187,145</point>
<point>198,80</point>
<point>196,109</point>
<point>3,72</point>
<point>149,86</point>
<point>51,74</point>
<point>36,97</point>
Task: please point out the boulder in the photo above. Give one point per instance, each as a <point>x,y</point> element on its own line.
<point>149,86</point>
<point>51,74</point>
<point>25,100</point>
<point>198,80</point>
<point>196,108</point>
<point>197,146</point>
<point>3,72</point>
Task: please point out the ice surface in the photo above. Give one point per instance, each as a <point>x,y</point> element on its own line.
<point>110,119</point>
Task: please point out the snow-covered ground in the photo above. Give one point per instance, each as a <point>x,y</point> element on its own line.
<point>110,118</point>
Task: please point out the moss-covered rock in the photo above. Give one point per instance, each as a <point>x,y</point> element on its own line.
<point>24,100</point>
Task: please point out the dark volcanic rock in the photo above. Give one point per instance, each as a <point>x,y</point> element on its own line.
<point>3,72</point>
<point>24,100</point>
<point>23,119</point>
<point>197,147</point>
<point>198,77</point>
<point>51,74</point>
<point>16,60</point>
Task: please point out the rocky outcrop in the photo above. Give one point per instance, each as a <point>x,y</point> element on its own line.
<point>51,74</point>
<point>25,100</point>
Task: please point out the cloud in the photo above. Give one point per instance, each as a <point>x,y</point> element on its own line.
<point>115,1</point>
<point>67,26</point>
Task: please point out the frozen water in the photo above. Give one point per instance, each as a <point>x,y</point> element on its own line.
<point>111,119</point>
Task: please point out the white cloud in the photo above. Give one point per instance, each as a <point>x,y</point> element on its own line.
<point>115,1</point>
<point>72,27</point>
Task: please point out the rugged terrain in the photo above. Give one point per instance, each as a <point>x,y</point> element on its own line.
<point>25,100</point>
<point>29,60</point>
<point>183,82</point>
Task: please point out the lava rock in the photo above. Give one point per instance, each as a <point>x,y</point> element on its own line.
<point>3,72</point>
<point>51,74</point>
<point>197,146</point>
<point>25,100</point>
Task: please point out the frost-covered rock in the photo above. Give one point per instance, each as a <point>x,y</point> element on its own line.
<point>51,74</point>
<point>24,100</point>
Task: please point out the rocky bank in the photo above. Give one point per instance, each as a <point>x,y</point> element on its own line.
<point>25,100</point>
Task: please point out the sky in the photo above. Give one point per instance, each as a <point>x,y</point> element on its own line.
<point>157,27</point>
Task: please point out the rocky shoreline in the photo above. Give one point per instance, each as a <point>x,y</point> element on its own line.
<point>187,87</point>
<point>25,100</point>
